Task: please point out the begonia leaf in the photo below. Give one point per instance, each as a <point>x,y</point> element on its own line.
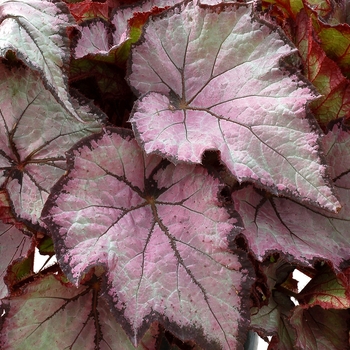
<point>290,8</point>
<point>324,73</point>
<point>323,8</point>
<point>36,31</point>
<point>51,314</point>
<point>272,319</point>
<point>13,245</point>
<point>104,42</point>
<point>334,40</point>
<point>95,39</point>
<point>327,290</point>
<point>319,329</point>
<point>46,246</point>
<point>36,133</point>
<point>87,9</point>
<point>162,235</point>
<point>211,79</point>
<point>278,224</point>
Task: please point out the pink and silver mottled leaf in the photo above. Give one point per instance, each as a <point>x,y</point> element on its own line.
<point>49,314</point>
<point>215,82</point>
<point>36,31</point>
<point>278,224</point>
<point>122,16</point>
<point>95,39</point>
<point>36,131</point>
<point>162,235</point>
<point>113,43</point>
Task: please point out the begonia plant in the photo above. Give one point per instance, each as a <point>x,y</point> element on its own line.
<point>180,159</point>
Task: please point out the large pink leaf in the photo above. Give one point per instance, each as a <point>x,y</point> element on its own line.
<point>51,314</point>
<point>212,80</point>
<point>36,31</point>
<point>162,235</point>
<point>36,131</point>
<point>279,224</point>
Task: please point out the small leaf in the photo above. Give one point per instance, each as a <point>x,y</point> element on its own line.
<point>94,39</point>
<point>87,9</point>
<point>36,31</point>
<point>319,329</point>
<point>35,134</point>
<point>273,319</point>
<point>334,40</point>
<point>324,74</point>
<point>215,82</point>
<point>161,233</point>
<point>327,290</point>
<point>111,43</point>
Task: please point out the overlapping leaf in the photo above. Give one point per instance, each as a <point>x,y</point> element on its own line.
<point>273,318</point>
<point>112,43</point>
<point>323,73</point>
<point>87,9</point>
<point>161,234</point>
<point>13,245</point>
<point>35,134</point>
<point>327,290</point>
<point>320,329</point>
<point>278,224</point>
<point>335,40</point>
<point>36,31</point>
<point>216,83</point>
<point>51,314</point>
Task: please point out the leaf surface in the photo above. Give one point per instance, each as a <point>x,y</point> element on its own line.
<point>320,329</point>
<point>273,317</point>
<point>13,245</point>
<point>215,82</point>
<point>108,43</point>
<point>278,224</point>
<point>324,74</point>
<point>36,133</point>
<point>36,31</point>
<point>327,290</point>
<point>79,317</point>
<point>161,234</point>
